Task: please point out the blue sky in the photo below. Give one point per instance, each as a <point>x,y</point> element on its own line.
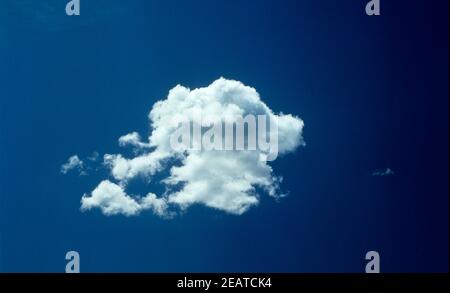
<point>372,91</point>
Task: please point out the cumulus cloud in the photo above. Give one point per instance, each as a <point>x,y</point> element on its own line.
<point>383,172</point>
<point>222,180</point>
<point>73,163</point>
<point>133,139</point>
<point>111,199</point>
<point>125,169</point>
<point>230,181</point>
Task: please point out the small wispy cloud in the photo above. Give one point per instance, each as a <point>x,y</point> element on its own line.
<point>133,139</point>
<point>383,172</point>
<point>73,163</point>
<point>93,157</point>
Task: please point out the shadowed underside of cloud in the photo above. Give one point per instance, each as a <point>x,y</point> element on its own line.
<point>229,181</point>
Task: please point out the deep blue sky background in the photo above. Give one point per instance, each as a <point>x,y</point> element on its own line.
<point>373,92</point>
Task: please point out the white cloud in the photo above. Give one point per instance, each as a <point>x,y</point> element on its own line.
<point>111,199</point>
<point>221,180</point>
<point>72,163</point>
<point>229,181</point>
<point>133,139</point>
<point>157,205</point>
<point>145,165</point>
